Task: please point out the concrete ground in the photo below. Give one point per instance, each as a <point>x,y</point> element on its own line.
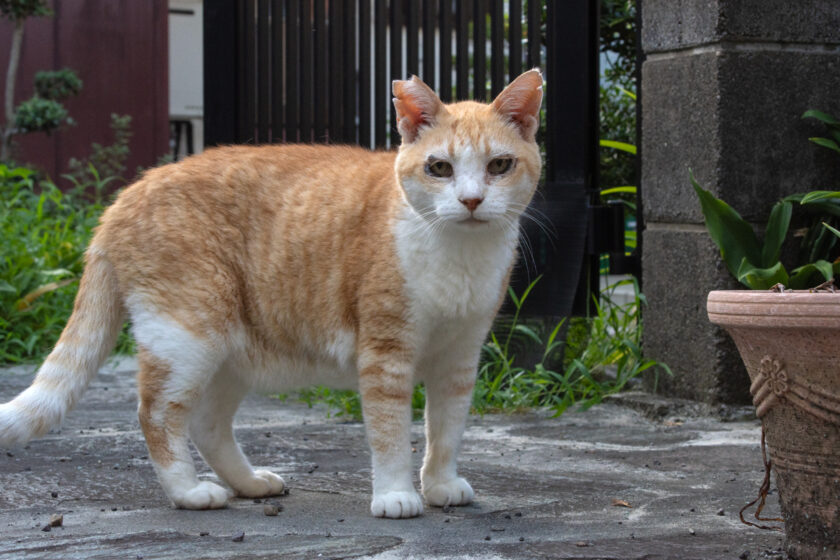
<point>637,478</point>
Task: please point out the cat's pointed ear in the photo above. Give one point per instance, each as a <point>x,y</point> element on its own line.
<point>417,106</point>
<point>520,102</point>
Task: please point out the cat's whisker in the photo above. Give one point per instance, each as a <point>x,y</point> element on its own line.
<point>546,229</point>
<point>527,252</point>
<point>536,216</point>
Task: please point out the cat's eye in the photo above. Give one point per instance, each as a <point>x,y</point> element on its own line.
<point>439,168</point>
<point>500,166</point>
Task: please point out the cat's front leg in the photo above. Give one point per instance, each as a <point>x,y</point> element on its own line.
<point>385,384</point>
<point>449,391</point>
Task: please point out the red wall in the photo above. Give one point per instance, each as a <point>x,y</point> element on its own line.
<point>119,50</point>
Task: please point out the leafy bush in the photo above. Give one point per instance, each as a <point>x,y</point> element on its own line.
<point>18,10</point>
<point>617,29</point>
<point>57,85</point>
<point>38,114</point>
<point>45,232</point>
<point>108,161</point>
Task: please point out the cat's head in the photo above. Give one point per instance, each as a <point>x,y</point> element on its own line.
<point>469,165</point>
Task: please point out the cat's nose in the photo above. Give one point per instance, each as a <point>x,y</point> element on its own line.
<point>471,203</point>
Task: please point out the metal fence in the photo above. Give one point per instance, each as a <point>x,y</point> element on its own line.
<point>321,71</point>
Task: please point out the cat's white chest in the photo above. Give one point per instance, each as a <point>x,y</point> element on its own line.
<point>453,276</point>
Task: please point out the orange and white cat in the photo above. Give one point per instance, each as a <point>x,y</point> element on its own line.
<point>278,267</point>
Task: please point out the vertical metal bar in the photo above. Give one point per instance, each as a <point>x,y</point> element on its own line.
<point>514,39</point>
<point>380,79</point>
<point>222,61</point>
<point>249,105</point>
<point>571,140</point>
<point>462,71</point>
<point>365,131</point>
<point>263,72</point>
<point>445,60</point>
<point>305,71</point>
<point>396,60</point>
<point>277,48</point>
<point>320,58</point>
<point>349,32</point>
<point>413,38</point>
<point>497,47</point>
<point>534,33</point>
<point>480,50</point>
<point>429,13</point>
<point>292,79</point>
<point>336,76</point>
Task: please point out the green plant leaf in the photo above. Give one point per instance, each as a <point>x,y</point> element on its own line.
<point>628,93</point>
<point>819,115</point>
<point>529,332</point>
<point>616,145</point>
<point>825,143</point>
<point>819,195</point>
<point>832,230</point>
<point>527,291</point>
<point>58,272</point>
<point>623,189</point>
<point>802,278</point>
<point>513,298</point>
<point>731,233</point>
<point>774,236</point>
<point>761,278</point>
<point>556,330</point>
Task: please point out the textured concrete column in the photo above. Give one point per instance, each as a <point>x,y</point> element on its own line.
<point>723,87</point>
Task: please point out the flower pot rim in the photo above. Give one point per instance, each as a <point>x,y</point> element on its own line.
<point>760,308</point>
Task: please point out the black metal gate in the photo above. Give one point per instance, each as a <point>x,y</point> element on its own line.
<point>321,71</point>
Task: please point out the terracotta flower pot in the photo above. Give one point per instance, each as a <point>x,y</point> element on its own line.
<point>790,343</point>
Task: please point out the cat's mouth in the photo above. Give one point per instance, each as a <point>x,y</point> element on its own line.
<point>472,222</point>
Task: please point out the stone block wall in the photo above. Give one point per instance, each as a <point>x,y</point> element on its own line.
<point>724,85</point>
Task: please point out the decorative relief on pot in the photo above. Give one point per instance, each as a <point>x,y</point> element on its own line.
<point>770,385</point>
<point>774,384</point>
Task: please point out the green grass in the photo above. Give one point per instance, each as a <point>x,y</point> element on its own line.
<point>45,233</point>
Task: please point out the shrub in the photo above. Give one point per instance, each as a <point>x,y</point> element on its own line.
<point>46,233</point>
<point>57,85</point>
<point>39,115</point>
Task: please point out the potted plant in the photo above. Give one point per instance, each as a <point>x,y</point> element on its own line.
<point>787,330</point>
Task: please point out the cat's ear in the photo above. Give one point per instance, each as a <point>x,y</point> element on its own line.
<point>417,106</point>
<point>520,102</point>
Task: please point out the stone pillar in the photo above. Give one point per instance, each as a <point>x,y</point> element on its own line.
<point>724,85</point>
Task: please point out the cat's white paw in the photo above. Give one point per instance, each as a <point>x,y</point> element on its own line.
<point>396,505</point>
<point>262,484</point>
<point>204,495</point>
<point>454,492</point>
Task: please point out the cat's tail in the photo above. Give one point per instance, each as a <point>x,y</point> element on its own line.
<point>86,341</point>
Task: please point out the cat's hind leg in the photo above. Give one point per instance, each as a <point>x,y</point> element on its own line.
<point>175,366</point>
<point>211,429</point>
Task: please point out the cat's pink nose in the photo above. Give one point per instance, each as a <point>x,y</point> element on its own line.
<point>471,203</point>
